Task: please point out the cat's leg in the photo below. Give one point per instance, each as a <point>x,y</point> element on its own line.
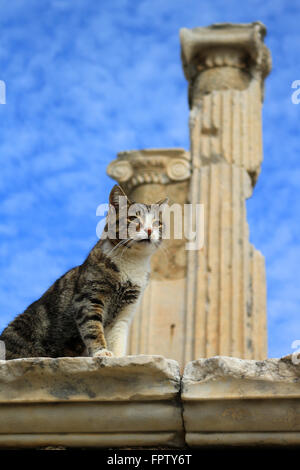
<point>117,337</point>
<point>117,333</point>
<point>89,316</point>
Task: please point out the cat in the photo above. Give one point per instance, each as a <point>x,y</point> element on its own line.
<point>88,311</point>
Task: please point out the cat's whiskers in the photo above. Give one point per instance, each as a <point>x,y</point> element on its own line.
<point>124,249</point>
<point>118,245</point>
<point>123,243</point>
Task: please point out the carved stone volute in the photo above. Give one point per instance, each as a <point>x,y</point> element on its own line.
<point>160,166</point>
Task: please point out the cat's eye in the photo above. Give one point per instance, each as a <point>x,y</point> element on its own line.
<point>137,213</point>
<point>133,219</point>
<point>134,223</point>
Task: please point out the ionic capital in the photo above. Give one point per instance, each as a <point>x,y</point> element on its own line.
<point>162,166</point>
<point>226,55</point>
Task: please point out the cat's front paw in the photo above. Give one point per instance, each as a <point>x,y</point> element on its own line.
<point>103,353</point>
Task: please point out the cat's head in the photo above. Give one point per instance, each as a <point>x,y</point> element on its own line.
<point>137,226</point>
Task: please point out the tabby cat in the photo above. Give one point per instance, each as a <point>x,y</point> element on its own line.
<point>87,312</point>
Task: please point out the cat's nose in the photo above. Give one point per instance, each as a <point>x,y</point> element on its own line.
<point>149,231</point>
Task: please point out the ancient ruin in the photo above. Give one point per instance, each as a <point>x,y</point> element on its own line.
<point>211,301</point>
<point>197,372</point>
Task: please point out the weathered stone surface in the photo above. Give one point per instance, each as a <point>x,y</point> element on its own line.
<point>226,299</point>
<point>90,402</point>
<point>261,439</point>
<point>211,300</point>
<point>241,402</point>
<point>236,49</point>
<point>247,36</point>
<point>91,417</point>
<point>157,166</point>
<point>95,440</point>
<point>94,379</point>
<point>159,322</point>
<point>229,377</point>
<point>140,401</point>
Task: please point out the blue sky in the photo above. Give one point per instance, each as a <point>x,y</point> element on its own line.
<point>88,79</point>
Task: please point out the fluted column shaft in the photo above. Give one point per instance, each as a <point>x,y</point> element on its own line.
<point>211,301</point>
<point>225,291</point>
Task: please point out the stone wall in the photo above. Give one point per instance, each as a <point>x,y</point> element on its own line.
<point>143,401</point>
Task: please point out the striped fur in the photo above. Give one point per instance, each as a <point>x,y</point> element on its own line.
<point>89,309</point>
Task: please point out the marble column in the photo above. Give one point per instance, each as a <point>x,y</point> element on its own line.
<point>211,301</point>
<point>225,66</point>
<point>148,176</point>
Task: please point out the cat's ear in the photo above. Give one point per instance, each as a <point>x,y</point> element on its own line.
<point>115,195</point>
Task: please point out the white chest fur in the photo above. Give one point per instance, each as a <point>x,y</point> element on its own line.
<point>133,267</point>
